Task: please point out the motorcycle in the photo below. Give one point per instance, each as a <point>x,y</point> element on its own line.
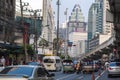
<point>77,70</point>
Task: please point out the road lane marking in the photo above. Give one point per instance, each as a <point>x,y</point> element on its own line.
<point>65,77</point>
<point>80,78</point>
<point>100,75</point>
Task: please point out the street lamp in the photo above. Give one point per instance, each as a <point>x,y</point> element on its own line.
<point>35,30</point>
<point>22,23</point>
<point>58,4</point>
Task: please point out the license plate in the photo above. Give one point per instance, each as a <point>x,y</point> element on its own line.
<point>48,65</point>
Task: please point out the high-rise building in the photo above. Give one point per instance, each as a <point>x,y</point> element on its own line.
<point>76,20</point>
<point>107,26</point>
<point>48,21</point>
<point>7,17</point>
<point>95,19</point>
<point>97,22</point>
<point>77,32</point>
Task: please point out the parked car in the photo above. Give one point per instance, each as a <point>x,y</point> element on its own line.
<point>113,69</point>
<point>25,72</point>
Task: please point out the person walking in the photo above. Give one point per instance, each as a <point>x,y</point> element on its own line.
<point>3,61</point>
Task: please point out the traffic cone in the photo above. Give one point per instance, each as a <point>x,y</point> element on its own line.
<point>93,76</point>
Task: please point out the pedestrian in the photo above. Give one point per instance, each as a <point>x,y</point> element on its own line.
<point>3,61</point>
<point>15,61</point>
<point>106,65</point>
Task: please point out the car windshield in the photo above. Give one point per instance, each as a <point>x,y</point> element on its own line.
<point>57,60</point>
<point>67,62</point>
<point>115,64</point>
<point>27,71</point>
<point>88,63</point>
<point>48,60</point>
<point>33,63</point>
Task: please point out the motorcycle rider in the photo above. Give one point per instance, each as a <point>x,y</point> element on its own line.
<point>78,67</point>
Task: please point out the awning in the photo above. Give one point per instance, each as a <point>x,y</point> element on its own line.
<point>7,46</point>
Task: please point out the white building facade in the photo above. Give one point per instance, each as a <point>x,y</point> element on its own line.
<point>77,33</point>
<point>78,44</point>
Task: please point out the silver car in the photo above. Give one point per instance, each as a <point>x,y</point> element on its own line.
<point>25,72</point>
<point>113,69</point>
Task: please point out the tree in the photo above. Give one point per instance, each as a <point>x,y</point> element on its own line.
<point>43,43</point>
<point>60,41</point>
<point>30,50</point>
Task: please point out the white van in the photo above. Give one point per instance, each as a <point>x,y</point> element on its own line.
<point>52,63</point>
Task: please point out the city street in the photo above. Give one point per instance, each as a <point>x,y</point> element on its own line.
<point>104,76</point>
<point>73,76</point>
<point>81,76</point>
<point>49,40</point>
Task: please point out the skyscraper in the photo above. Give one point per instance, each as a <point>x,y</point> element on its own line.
<point>97,23</point>
<point>77,32</point>
<point>76,20</point>
<point>48,20</point>
<point>95,19</point>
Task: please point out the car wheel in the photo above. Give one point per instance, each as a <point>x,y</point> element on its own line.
<point>109,75</point>
<point>64,72</point>
<point>83,72</point>
<point>60,69</point>
<point>57,69</point>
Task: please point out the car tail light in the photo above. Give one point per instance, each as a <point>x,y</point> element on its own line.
<point>109,68</point>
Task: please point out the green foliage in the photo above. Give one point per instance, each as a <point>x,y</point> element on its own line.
<point>62,56</point>
<point>55,44</point>
<point>43,42</point>
<point>30,50</point>
<point>68,57</point>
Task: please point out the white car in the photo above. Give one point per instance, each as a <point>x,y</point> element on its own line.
<point>114,69</point>
<point>25,72</point>
<point>5,78</point>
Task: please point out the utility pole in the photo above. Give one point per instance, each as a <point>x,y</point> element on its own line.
<point>35,38</point>
<point>66,48</point>
<point>35,31</point>
<point>58,4</point>
<point>22,23</point>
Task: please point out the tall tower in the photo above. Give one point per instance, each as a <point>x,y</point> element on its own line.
<point>76,20</point>
<point>48,21</point>
<point>95,17</point>
<point>97,23</point>
<point>107,26</point>
<point>77,32</point>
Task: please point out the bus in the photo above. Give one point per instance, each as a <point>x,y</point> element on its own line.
<point>52,63</point>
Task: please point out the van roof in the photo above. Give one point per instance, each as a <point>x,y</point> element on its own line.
<point>57,57</point>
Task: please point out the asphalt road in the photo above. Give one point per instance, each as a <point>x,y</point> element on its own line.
<point>100,75</point>
<point>80,76</point>
<point>104,76</point>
